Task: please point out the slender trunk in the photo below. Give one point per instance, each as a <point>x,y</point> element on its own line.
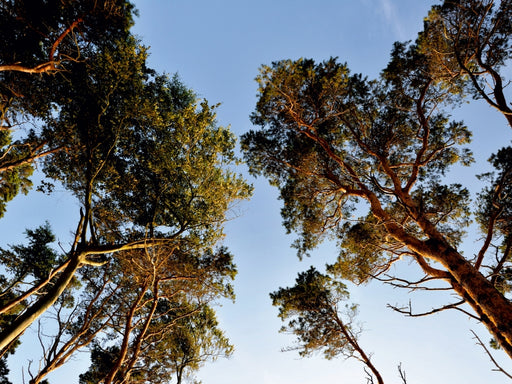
<point>7,307</point>
<point>128,328</point>
<point>353,342</point>
<point>79,340</point>
<point>142,334</point>
<point>19,325</point>
<point>179,374</point>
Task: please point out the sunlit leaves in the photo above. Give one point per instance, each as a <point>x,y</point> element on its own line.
<point>327,138</point>
<point>159,316</point>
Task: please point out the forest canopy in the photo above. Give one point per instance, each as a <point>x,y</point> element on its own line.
<point>153,176</point>
<point>363,162</point>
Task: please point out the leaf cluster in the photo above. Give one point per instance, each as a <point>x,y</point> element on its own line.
<point>313,305</point>
<point>329,138</point>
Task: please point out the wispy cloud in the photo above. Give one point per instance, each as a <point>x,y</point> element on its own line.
<point>393,20</point>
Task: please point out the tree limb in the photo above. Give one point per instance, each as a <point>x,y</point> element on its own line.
<point>498,367</point>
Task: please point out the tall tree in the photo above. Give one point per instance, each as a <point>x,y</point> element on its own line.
<point>196,341</point>
<point>320,319</point>
<point>146,162</point>
<point>39,41</point>
<point>172,287</point>
<point>331,140</point>
<point>470,39</point>
<point>145,302</point>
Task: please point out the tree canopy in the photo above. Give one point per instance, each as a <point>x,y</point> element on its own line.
<point>41,39</point>
<point>152,173</point>
<point>365,162</point>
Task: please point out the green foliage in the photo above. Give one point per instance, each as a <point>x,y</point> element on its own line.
<point>313,304</point>
<point>466,43</point>
<point>337,144</point>
<point>496,198</point>
<point>194,341</point>
<point>41,38</point>
<point>16,179</point>
<point>4,372</point>
<point>328,138</point>
<point>37,259</point>
<point>447,207</point>
<point>361,252</point>
<point>474,35</point>
<point>102,360</point>
<point>147,155</point>
<point>160,305</point>
<point>148,165</point>
<point>173,161</point>
<point>494,215</point>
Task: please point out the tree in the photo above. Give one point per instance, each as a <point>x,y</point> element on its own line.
<point>471,39</point>
<point>363,161</point>
<point>25,266</point>
<point>149,167</point>
<point>40,40</point>
<point>78,319</point>
<point>196,340</point>
<point>144,159</point>
<point>314,306</point>
<point>53,33</point>
<point>160,322</point>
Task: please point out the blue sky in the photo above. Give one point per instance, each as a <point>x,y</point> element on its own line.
<point>216,48</point>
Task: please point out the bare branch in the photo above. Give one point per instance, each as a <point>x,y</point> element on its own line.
<point>409,312</point>
<point>498,367</point>
<point>402,374</point>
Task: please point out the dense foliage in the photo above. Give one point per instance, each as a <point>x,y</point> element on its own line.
<point>153,176</point>
<point>364,162</point>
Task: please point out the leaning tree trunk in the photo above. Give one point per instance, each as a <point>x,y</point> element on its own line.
<point>20,324</point>
<point>494,309</point>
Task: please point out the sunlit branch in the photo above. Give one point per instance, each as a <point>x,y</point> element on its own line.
<point>51,65</point>
<point>426,133</point>
<point>505,257</point>
<point>33,156</point>
<point>409,312</point>
<point>34,289</point>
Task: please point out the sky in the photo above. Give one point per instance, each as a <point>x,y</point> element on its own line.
<point>216,47</point>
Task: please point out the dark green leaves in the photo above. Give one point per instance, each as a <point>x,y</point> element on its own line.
<point>314,305</point>
<point>37,259</point>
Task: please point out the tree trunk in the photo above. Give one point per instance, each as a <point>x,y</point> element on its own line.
<point>486,300</point>
<point>19,325</point>
<point>125,345</point>
<point>490,304</point>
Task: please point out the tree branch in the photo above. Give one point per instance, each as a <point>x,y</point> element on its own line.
<point>498,367</point>
<point>51,65</point>
<point>408,310</point>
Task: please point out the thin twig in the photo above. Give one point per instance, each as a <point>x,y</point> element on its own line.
<point>498,367</point>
